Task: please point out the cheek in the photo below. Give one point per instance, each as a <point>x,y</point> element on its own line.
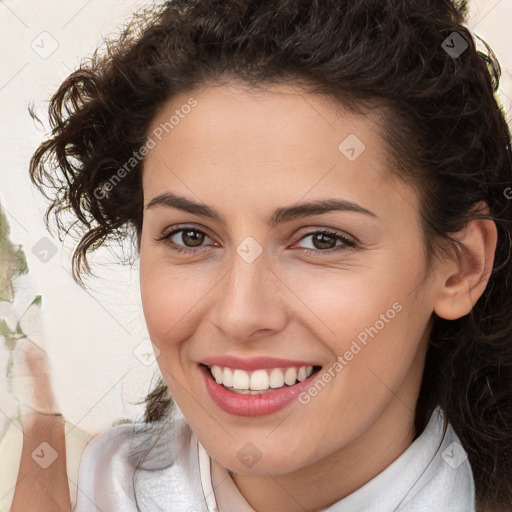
<point>375,321</point>
<point>173,300</point>
<point>164,304</point>
<point>374,329</point>
<point>345,302</point>
<point>163,298</point>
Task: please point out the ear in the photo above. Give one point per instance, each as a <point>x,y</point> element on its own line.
<point>463,277</point>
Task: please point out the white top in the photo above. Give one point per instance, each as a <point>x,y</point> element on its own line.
<point>177,475</point>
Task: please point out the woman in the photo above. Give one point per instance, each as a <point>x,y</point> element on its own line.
<point>318,195</point>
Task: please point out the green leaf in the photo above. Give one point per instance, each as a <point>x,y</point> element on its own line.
<point>4,329</point>
<point>37,301</point>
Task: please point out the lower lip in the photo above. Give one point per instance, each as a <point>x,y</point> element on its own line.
<point>240,404</point>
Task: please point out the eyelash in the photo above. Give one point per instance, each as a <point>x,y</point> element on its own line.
<point>347,242</point>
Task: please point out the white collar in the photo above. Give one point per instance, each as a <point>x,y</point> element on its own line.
<point>432,474</point>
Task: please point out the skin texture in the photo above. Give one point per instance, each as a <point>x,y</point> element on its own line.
<point>246,154</point>
<point>38,487</point>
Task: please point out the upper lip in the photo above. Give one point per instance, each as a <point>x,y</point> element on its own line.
<point>254,363</point>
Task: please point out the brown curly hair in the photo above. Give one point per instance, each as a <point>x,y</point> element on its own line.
<point>444,128</point>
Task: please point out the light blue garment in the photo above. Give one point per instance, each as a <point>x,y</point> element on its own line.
<point>177,475</point>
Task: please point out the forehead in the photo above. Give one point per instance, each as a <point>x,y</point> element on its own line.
<point>280,116</point>
<point>282,141</point>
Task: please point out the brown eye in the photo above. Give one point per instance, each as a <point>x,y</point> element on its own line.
<point>327,242</point>
<point>185,239</point>
<point>323,241</point>
<point>192,237</point>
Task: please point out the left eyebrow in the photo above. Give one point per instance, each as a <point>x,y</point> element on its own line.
<point>280,215</point>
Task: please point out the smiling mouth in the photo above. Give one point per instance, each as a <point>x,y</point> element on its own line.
<point>260,381</point>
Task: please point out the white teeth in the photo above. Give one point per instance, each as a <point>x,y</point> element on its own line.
<point>290,376</point>
<point>304,373</point>
<point>259,380</point>
<point>276,379</point>
<point>217,374</point>
<point>227,377</point>
<point>240,379</point>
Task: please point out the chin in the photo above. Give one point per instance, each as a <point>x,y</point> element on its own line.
<point>274,460</point>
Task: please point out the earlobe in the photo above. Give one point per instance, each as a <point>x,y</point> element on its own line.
<point>464,277</point>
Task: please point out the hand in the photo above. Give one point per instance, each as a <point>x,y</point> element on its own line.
<point>39,487</point>
<point>32,381</point>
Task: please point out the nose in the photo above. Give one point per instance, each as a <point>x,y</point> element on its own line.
<point>250,302</point>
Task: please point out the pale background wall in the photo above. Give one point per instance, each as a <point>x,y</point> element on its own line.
<point>90,336</point>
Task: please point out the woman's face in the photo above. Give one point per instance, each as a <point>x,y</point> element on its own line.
<point>247,177</point>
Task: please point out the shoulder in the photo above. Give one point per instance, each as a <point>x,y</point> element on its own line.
<point>135,463</point>
<point>106,464</point>
<point>101,448</point>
